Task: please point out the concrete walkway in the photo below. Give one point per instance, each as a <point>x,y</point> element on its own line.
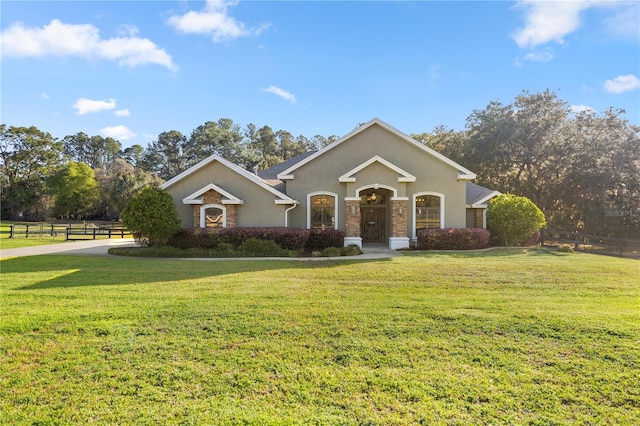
<point>101,247</point>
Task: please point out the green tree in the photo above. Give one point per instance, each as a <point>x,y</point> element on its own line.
<point>28,157</point>
<point>223,138</point>
<point>513,218</point>
<point>446,141</point>
<point>151,216</point>
<point>95,151</point>
<point>133,155</point>
<point>75,191</point>
<point>119,181</point>
<point>165,156</point>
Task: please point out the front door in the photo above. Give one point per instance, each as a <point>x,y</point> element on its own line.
<point>374,224</point>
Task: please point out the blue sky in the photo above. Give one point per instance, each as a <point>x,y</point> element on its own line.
<point>133,69</point>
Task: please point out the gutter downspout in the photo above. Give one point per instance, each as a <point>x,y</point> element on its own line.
<point>286,213</point>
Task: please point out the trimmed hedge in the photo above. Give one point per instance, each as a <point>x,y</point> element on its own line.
<point>320,239</point>
<point>453,239</point>
<point>287,238</point>
<point>196,238</point>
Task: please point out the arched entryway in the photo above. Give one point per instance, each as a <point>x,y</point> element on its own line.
<point>374,215</point>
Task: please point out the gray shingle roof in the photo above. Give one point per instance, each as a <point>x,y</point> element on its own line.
<point>272,173</point>
<point>476,193</point>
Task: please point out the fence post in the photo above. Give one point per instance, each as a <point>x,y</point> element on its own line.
<point>576,241</point>
<point>26,234</point>
<point>94,233</point>
<point>122,232</point>
<point>67,233</point>
<point>109,230</point>
<point>10,231</point>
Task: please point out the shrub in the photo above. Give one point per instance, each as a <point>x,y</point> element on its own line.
<point>351,250</point>
<point>286,238</point>
<point>195,238</point>
<point>532,239</point>
<point>151,216</point>
<point>260,248</point>
<point>332,252</point>
<point>320,239</point>
<point>453,239</point>
<point>513,218</point>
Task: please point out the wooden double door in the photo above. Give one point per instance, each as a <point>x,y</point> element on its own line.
<point>373,228</point>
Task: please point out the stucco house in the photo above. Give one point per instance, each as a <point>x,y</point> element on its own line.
<point>376,183</point>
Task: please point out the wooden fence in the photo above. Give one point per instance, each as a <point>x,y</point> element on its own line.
<point>591,243</point>
<point>69,231</point>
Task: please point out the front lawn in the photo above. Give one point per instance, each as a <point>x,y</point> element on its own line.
<point>499,337</point>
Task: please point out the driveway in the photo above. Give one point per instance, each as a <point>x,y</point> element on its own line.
<point>90,247</point>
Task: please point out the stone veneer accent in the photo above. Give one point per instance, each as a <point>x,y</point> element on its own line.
<point>399,221</point>
<point>352,225</point>
<point>214,197</point>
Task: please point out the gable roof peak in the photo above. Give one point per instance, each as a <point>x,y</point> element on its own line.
<point>463,172</point>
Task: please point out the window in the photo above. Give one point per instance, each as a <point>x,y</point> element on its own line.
<point>322,211</point>
<point>213,216</point>
<point>428,211</point>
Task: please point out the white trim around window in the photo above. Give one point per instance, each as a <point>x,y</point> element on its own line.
<point>335,206</point>
<point>413,206</point>
<point>203,216</point>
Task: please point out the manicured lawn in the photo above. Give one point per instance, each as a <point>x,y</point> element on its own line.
<point>507,337</point>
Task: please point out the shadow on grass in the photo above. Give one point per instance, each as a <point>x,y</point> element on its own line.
<point>82,271</point>
<point>488,253</point>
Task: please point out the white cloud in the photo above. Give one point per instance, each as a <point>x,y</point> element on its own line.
<point>576,109</point>
<point>128,30</point>
<point>120,132</point>
<point>625,20</point>
<point>544,56</point>
<point>622,84</point>
<point>43,95</point>
<point>282,93</point>
<point>214,21</point>
<point>86,106</point>
<point>122,112</point>
<point>80,40</point>
<point>547,21</point>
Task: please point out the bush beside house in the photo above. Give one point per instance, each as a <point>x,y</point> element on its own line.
<point>453,239</point>
<point>151,216</point>
<point>514,219</point>
<point>285,238</point>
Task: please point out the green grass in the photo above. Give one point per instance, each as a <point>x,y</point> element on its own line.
<point>501,337</point>
<point>7,243</point>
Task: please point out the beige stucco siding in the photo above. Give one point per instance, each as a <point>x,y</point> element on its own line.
<point>259,208</point>
<point>431,174</point>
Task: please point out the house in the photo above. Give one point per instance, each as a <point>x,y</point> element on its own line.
<point>376,183</point>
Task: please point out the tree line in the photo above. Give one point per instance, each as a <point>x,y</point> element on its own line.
<point>93,177</point>
<point>582,169</point>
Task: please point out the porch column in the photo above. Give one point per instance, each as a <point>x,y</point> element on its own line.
<point>352,222</point>
<point>399,229</point>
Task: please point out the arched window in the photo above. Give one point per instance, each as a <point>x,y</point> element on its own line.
<point>213,216</point>
<point>429,211</point>
<point>322,211</point>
